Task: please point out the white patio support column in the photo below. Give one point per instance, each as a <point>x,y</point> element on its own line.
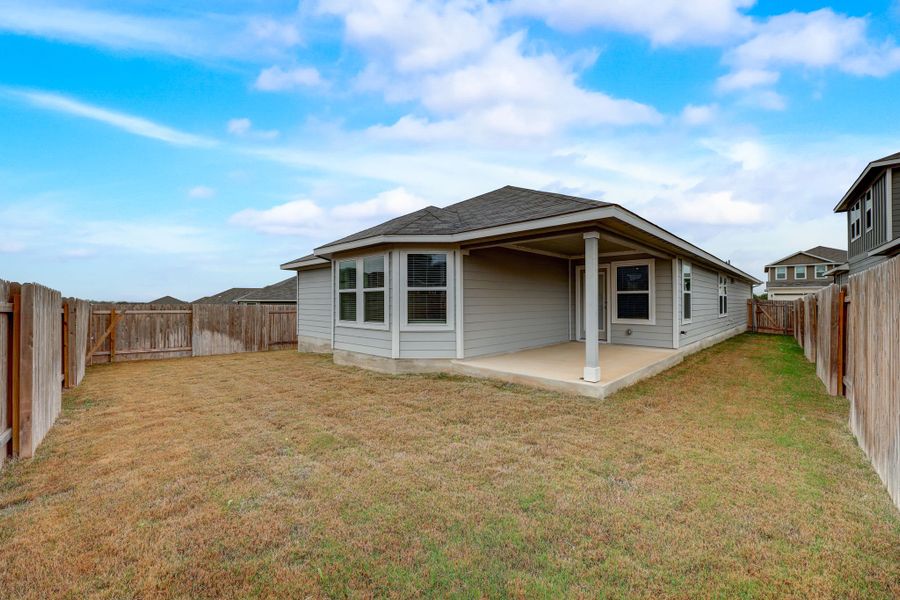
<point>591,307</point>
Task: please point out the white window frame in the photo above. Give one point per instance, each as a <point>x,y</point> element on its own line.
<point>855,222</point>
<point>797,273</point>
<point>780,273</point>
<point>722,289</point>
<point>690,275</point>
<point>651,273</point>
<point>869,211</point>
<point>360,322</point>
<point>816,271</point>
<point>405,325</point>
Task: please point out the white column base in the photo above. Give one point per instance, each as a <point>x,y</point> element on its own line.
<point>592,374</point>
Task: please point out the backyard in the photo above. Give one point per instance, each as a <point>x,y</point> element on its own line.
<point>281,474</point>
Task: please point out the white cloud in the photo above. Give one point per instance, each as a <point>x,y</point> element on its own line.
<point>243,127</point>
<point>417,36</point>
<point>187,34</point>
<point>704,114</point>
<point>821,39</point>
<point>746,78</point>
<point>125,122</point>
<point>507,93</point>
<point>305,217</point>
<point>276,79</point>
<point>11,246</point>
<point>662,21</point>
<point>713,208</point>
<point>201,192</point>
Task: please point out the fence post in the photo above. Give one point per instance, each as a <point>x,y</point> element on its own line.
<point>750,314</point>
<point>65,344</point>
<point>16,361</point>
<point>112,334</point>
<point>841,347</point>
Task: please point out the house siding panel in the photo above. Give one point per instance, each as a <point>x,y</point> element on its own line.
<point>513,300</point>
<point>314,303</point>
<point>366,341</point>
<point>428,344</point>
<point>859,248</point>
<point>895,180</point>
<point>705,306</point>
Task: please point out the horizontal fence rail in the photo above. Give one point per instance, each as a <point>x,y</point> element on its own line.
<point>771,316</point>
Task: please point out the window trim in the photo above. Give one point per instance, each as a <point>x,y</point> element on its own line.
<point>816,272</point>
<point>869,210</point>
<point>651,273</point>
<point>855,222</point>
<point>360,322</point>
<point>722,282</point>
<point>690,275</point>
<point>450,288</point>
<point>797,274</point>
<point>780,270</point>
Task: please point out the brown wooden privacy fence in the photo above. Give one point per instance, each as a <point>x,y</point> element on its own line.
<point>770,316</point>
<point>852,333</point>
<point>38,356</point>
<point>153,331</point>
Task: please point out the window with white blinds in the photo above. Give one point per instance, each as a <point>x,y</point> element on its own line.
<point>426,288</point>
<point>723,295</point>
<point>634,292</point>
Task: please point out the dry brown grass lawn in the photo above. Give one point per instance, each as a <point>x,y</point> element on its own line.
<point>273,475</point>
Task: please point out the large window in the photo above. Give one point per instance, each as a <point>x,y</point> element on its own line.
<point>633,297</point>
<point>820,271</point>
<point>362,301</point>
<point>780,273</point>
<point>855,222</point>
<point>426,288</point>
<point>723,295</point>
<point>868,206</point>
<point>686,292</point>
<point>800,272</point>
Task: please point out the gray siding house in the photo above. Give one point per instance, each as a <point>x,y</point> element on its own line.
<point>802,272</point>
<point>872,205</point>
<point>507,271</point>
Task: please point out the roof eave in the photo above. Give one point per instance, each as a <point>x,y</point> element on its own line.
<point>584,216</point>
<point>299,264</point>
<point>848,195</point>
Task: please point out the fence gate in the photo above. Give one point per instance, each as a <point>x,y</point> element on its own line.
<point>771,316</point>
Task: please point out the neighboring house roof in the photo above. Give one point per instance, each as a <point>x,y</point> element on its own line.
<point>167,300</point>
<point>876,166</point>
<point>823,253</point>
<point>283,291</point>
<point>504,206</point>
<point>227,297</point>
<point>506,211</point>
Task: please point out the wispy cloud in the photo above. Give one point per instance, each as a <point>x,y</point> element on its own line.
<point>125,122</point>
<point>276,79</point>
<point>201,192</point>
<point>188,35</point>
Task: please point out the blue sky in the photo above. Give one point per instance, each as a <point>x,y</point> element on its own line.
<point>152,148</point>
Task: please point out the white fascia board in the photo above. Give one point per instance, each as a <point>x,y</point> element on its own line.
<point>299,264</point>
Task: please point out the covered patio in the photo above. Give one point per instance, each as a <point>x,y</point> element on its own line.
<point>560,367</point>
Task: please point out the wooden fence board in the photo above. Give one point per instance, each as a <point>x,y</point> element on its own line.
<point>873,320</point>
<point>40,367</point>
<point>771,316</point>
<point>5,373</point>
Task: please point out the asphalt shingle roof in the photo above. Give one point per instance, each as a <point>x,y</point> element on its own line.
<point>500,207</point>
<point>167,300</point>
<point>834,255</point>
<point>283,291</point>
<point>226,297</point>
<point>895,156</point>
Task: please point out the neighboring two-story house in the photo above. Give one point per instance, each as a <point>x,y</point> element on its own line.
<point>802,272</point>
<point>872,205</point>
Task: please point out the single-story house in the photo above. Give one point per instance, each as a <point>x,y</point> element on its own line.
<point>282,293</point>
<point>523,285</point>
<point>228,296</point>
<point>167,300</point>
